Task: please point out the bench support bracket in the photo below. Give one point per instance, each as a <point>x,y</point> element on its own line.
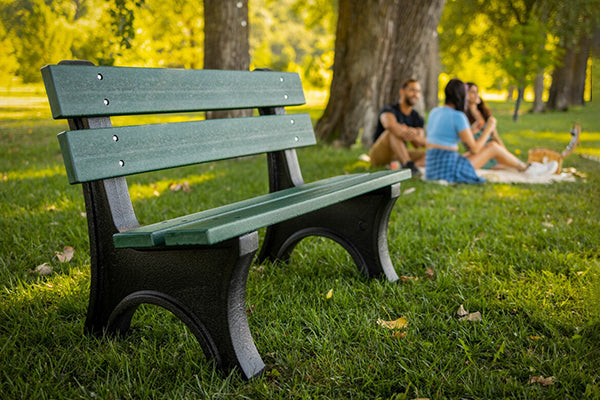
<point>358,224</point>
<point>205,287</point>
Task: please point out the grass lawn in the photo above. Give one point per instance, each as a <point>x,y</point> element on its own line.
<point>526,257</point>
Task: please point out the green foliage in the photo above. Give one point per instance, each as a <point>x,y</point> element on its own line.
<point>291,35</point>
<point>502,42</point>
<point>294,35</point>
<point>168,34</point>
<point>529,53</point>
<point>42,35</point>
<point>9,64</point>
<point>122,13</point>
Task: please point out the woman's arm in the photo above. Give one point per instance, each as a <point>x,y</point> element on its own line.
<point>473,145</point>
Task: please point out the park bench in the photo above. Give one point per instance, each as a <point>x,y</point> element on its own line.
<point>196,265</point>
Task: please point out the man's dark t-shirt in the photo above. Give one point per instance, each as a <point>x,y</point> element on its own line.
<point>413,120</point>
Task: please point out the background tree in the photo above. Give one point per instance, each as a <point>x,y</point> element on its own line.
<point>509,36</point>
<point>226,44</point>
<point>296,36</point>
<point>378,44</point>
<point>168,34</point>
<point>574,25</point>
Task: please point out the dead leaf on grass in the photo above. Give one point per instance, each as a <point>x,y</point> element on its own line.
<point>405,278</point>
<point>461,312</point>
<point>66,255</point>
<point>43,269</point>
<point>185,186</point>
<point>410,190</point>
<point>465,315</point>
<point>329,294</point>
<point>541,380</point>
<point>474,317</point>
<point>399,323</point>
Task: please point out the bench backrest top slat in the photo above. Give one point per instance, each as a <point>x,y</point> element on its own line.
<point>93,154</point>
<point>76,91</point>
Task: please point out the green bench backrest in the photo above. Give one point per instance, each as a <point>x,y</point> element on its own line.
<point>82,91</point>
<point>90,91</point>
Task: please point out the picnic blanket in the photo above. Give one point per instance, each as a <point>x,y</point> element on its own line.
<point>514,176</point>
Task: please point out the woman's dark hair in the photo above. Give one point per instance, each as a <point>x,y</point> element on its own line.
<point>456,93</point>
<point>481,106</point>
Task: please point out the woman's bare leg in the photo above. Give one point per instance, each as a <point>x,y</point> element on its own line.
<point>494,150</point>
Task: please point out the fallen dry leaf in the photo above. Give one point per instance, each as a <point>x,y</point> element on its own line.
<point>405,278</point>
<point>410,190</point>
<point>430,272</point>
<point>399,323</point>
<point>329,294</point>
<point>541,380</point>
<point>66,255</point>
<point>185,186</point>
<point>461,312</point>
<point>43,269</point>
<point>465,315</point>
<point>398,334</point>
<point>476,316</point>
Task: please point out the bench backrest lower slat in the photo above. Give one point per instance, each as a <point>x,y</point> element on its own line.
<point>93,154</point>
<point>77,91</point>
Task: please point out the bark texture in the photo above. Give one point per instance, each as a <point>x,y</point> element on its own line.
<point>379,43</point>
<point>226,45</point>
<point>568,79</point>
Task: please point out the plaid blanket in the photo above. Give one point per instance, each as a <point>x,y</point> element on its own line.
<point>449,166</point>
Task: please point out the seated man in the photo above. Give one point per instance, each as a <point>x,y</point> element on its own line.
<point>398,125</point>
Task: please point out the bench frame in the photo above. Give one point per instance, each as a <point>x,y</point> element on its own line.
<point>205,285</point>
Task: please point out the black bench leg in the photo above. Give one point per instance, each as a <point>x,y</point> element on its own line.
<point>358,224</point>
<point>204,287</point>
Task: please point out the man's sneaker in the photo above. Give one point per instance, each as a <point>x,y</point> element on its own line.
<point>539,169</point>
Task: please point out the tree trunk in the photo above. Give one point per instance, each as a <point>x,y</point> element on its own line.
<point>580,65</point>
<point>226,44</point>
<point>568,80</point>
<point>520,92</point>
<point>432,70</point>
<point>538,101</point>
<point>558,99</point>
<point>379,43</point>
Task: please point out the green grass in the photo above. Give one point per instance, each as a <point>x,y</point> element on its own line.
<point>525,256</point>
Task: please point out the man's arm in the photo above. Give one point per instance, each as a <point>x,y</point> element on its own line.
<point>401,131</point>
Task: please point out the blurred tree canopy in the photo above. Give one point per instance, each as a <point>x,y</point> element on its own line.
<point>290,35</point>
<point>502,43</point>
<point>495,43</point>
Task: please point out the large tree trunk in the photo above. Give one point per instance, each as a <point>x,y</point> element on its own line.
<point>562,76</point>
<point>226,45</point>
<point>379,43</point>
<point>568,80</point>
<point>432,71</point>
<point>580,66</point>
<point>538,101</point>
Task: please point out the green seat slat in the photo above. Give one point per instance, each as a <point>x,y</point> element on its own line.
<point>221,224</point>
<point>92,91</point>
<point>93,154</point>
<point>153,234</point>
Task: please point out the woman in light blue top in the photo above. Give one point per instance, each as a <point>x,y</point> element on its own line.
<point>447,126</point>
